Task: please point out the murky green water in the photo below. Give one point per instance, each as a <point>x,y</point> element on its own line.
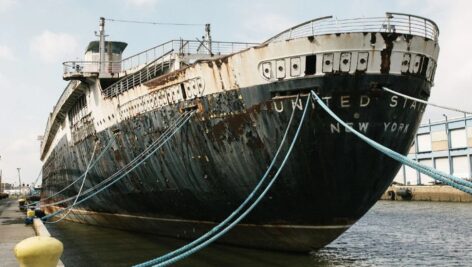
<point>391,234</point>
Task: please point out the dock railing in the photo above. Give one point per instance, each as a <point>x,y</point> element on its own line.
<point>392,22</point>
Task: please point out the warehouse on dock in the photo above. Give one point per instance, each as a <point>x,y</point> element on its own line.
<point>445,145</point>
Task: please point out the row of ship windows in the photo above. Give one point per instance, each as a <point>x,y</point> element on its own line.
<point>186,90</point>
<point>292,67</point>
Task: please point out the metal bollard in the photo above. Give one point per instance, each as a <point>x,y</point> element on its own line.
<point>39,251</point>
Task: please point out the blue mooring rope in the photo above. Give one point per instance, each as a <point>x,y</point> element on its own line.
<point>80,177</point>
<point>125,173</point>
<point>218,230</point>
<point>453,181</point>
<point>81,186</point>
<point>156,142</point>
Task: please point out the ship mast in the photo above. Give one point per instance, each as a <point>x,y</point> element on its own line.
<point>208,37</point>
<point>102,44</point>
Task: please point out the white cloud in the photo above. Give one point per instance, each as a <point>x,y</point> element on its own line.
<point>453,79</point>
<point>6,5</point>
<point>142,3</point>
<point>6,53</point>
<point>53,47</point>
<point>20,152</point>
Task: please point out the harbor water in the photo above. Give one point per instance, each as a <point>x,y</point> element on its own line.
<point>390,234</point>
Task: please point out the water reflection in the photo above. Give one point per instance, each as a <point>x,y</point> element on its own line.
<point>391,234</point>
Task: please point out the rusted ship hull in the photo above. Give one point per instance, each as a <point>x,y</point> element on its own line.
<point>213,162</point>
<point>244,95</point>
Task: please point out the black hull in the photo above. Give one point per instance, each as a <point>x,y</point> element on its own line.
<point>210,166</point>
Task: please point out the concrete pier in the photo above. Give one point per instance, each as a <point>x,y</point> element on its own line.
<point>12,230</point>
<point>442,193</point>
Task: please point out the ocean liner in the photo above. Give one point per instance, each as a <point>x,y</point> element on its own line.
<point>242,96</point>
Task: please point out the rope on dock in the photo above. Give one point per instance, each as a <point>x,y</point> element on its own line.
<point>123,173</point>
<point>81,186</point>
<point>425,102</point>
<point>450,180</point>
<point>150,147</point>
<point>223,227</point>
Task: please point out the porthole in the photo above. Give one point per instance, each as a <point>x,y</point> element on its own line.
<point>280,69</point>
<point>327,62</point>
<point>295,66</point>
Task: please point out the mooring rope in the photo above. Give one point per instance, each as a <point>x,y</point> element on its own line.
<point>425,102</point>
<point>79,178</point>
<point>149,154</point>
<point>150,147</point>
<point>33,185</point>
<point>81,186</point>
<point>453,181</point>
<point>218,231</point>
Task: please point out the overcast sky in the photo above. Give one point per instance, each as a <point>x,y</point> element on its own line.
<point>37,36</point>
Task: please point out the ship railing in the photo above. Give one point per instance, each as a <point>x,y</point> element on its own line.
<point>390,23</point>
<point>81,67</point>
<point>150,71</point>
<point>53,115</point>
<point>137,61</point>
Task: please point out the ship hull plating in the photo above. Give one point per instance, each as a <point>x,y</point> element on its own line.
<point>212,164</point>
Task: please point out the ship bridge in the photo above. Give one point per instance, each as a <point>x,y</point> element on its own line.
<point>92,66</point>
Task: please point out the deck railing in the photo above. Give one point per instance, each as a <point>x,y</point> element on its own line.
<point>392,22</point>
<point>138,60</point>
<point>54,114</point>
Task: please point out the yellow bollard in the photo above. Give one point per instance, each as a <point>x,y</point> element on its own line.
<point>39,251</point>
<point>30,214</point>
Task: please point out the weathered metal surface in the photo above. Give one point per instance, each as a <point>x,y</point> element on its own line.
<point>212,164</point>
<point>244,102</point>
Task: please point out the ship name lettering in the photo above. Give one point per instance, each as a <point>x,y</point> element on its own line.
<point>345,101</point>
<point>413,105</point>
<point>365,101</point>
<point>299,104</point>
<point>351,125</point>
<point>396,127</point>
<point>279,109</point>
<point>394,101</point>
<point>326,98</point>
<point>361,126</point>
<point>404,103</point>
